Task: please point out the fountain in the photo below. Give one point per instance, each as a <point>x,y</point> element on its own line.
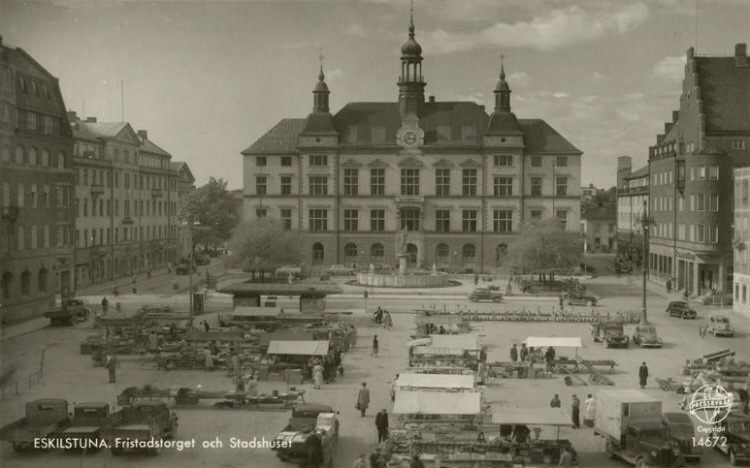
<point>403,278</point>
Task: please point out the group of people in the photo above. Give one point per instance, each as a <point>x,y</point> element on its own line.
<point>589,409</point>
<point>383,317</point>
<point>324,370</point>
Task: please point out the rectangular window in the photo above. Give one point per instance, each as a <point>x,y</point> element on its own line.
<point>31,120</point>
<point>562,218</point>
<point>503,160</point>
<point>503,186</point>
<point>442,182</point>
<point>409,181</point>
<point>261,212</point>
<point>443,220</point>
<point>469,182</point>
<point>561,161</point>
<point>377,220</point>
<point>714,172</point>
<point>681,232</point>
<point>34,237</point>
<point>48,125</point>
<point>318,220</point>
<point>701,201</point>
<point>469,221</point>
<point>502,220</point>
<point>714,235</point>
<point>536,186</point>
<point>700,233</point>
<point>351,220</point>
<point>286,218</point>
<point>286,185</point>
<point>738,144</point>
<point>33,196</point>
<point>286,161</point>
<point>351,181</point>
<point>561,186</point>
<point>377,181</point>
<point>318,160</point>
<point>45,235</point>
<point>260,161</point>
<point>536,215</point>
<point>701,172</point>
<point>536,161</point>
<point>318,185</point>
<point>714,202</point>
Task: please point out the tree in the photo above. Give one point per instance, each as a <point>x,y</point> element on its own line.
<point>545,247</point>
<point>263,245</point>
<point>214,209</point>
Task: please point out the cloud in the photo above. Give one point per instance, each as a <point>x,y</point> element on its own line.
<point>355,30</point>
<point>670,68</point>
<point>599,77</point>
<point>560,95</point>
<point>518,78</point>
<point>554,30</point>
<point>334,73</point>
<point>473,97</point>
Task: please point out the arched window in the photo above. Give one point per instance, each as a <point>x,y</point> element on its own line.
<point>61,160</point>
<point>318,253</point>
<point>500,252</point>
<point>350,250</point>
<point>469,252</point>
<point>442,252</point>
<point>5,282</point>
<point>45,158</point>
<point>25,283</point>
<point>412,250</point>
<point>377,251</point>
<point>19,155</point>
<point>32,156</point>
<point>42,280</point>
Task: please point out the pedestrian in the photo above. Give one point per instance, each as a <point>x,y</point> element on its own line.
<point>524,352</point>
<point>643,375</point>
<point>326,453</point>
<point>388,321</point>
<point>669,286</point>
<point>549,358</point>
<point>381,423</point>
<point>376,459</point>
<point>153,342</point>
<point>314,449</point>
<point>105,305</point>
<point>360,462</point>
<point>483,354</point>
<point>576,412</point>
<point>561,300</point>
<point>111,365</point>
<point>513,353</point>
<point>589,410</point>
<point>393,388</point>
<point>363,399</point>
<point>317,373</point>
<point>481,372</point>
<point>208,359</point>
<point>375,346</point>
<point>206,326</point>
<point>555,401</point>
<point>415,462</point>
<point>566,458</point>
<point>476,279</point>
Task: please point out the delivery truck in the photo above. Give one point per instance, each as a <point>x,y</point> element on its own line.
<point>630,422</point>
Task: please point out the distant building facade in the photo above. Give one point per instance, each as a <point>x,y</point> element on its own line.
<point>741,241</point>
<point>36,187</point>
<point>599,228</point>
<point>185,185</point>
<point>127,196</point>
<point>691,172</point>
<point>632,200</point>
<point>460,181</point>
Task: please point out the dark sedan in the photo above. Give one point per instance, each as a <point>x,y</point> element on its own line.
<point>681,309</point>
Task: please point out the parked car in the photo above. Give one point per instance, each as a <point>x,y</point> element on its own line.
<point>575,298</point>
<point>286,270</point>
<point>680,429</point>
<point>716,299</point>
<point>612,334</point>
<point>340,270</point>
<point>485,294</point>
<point>645,336</point>
<point>719,325</point>
<point>681,309</point>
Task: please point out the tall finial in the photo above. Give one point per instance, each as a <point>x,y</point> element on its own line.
<point>502,66</point>
<point>321,76</point>
<point>411,18</point>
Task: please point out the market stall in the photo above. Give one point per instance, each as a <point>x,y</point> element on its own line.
<point>440,324</point>
<point>525,429</point>
<point>298,355</point>
<point>435,382</point>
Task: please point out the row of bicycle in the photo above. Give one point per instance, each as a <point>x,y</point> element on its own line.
<point>555,315</point>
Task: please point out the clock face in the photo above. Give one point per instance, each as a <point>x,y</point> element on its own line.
<point>410,138</point>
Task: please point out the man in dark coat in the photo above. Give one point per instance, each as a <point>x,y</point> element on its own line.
<point>314,449</point>
<point>111,364</point>
<point>576,412</point>
<point>513,353</point>
<point>381,422</point>
<point>524,351</point>
<point>643,375</point>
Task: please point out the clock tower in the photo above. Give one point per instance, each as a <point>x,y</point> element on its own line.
<point>411,82</point>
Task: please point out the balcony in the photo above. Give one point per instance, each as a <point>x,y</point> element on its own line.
<point>97,190</point>
<point>410,200</point>
<point>642,190</point>
<point>157,192</point>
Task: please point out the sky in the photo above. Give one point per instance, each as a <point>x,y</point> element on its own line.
<point>207,78</point>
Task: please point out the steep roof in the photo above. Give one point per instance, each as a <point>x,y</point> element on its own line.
<point>725,91</point>
<point>182,166</point>
<point>105,129</point>
<point>642,172</point>
<point>541,138</point>
<point>282,138</point>
<point>150,147</point>
<point>80,132</point>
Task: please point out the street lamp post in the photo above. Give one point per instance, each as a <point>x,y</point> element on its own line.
<point>191,267</point>
<point>646,221</point>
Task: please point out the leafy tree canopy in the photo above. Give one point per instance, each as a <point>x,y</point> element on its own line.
<point>214,209</point>
<point>545,247</point>
<point>263,245</point>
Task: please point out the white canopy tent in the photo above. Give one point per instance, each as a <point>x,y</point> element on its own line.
<point>299,348</point>
<point>446,403</point>
<point>554,341</point>
<point>463,342</point>
<point>436,381</point>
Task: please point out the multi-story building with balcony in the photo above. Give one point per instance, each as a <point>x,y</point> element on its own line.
<point>632,205</point>
<point>36,182</point>
<point>691,173</point>
<point>127,195</point>
<point>460,181</point>
<point>741,241</point>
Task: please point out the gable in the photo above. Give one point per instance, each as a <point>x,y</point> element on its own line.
<point>411,161</point>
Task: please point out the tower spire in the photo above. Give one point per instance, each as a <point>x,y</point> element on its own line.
<point>320,91</point>
<point>321,76</point>
<point>502,67</point>
<point>411,83</point>
<point>411,18</point>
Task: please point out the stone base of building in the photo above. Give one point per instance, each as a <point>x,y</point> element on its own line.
<point>21,312</point>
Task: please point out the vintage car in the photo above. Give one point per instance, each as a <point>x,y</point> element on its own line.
<point>611,334</point>
<point>340,270</point>
<point>485,294</point>
<point>680,429</point>
<point>719,325</point>
<point>645,336</point>
<point>681,309</point>
<point>736,429</point>
<point>576,298</point>
<point>286,270</point>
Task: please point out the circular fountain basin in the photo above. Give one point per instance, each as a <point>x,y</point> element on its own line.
<point>410,280</point>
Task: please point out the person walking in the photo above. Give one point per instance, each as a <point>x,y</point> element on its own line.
<point>388,321</point>
<point>363,399</point>
<point>669,286</point>
<point>524,352</point>
<point>317,373</point>
<point>643,375</point>
<point>589,410</point>
<point>381,423</point>
<point>555,401</point>
<point>513,353</point>
<point>314,449</point>
<point>360,462</point>
<point>105,305</point>
<point>549,358</point>
<point>375,346</point>
<point>393,388</point>
<point>576,412</point>
<point>111,364</point>
<point>566,458</point>
<point>206,326</point>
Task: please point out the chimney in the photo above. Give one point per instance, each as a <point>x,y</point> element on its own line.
<point>90,119</point>
<point>668,126</point>
<point>72,116</point>
<point>740,55</point>
<point>432,99</point>
<point>690,54</point>
<point>143,134</point>
<point>675,116</point>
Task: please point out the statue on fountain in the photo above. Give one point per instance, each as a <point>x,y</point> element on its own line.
<point>402,242</point>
